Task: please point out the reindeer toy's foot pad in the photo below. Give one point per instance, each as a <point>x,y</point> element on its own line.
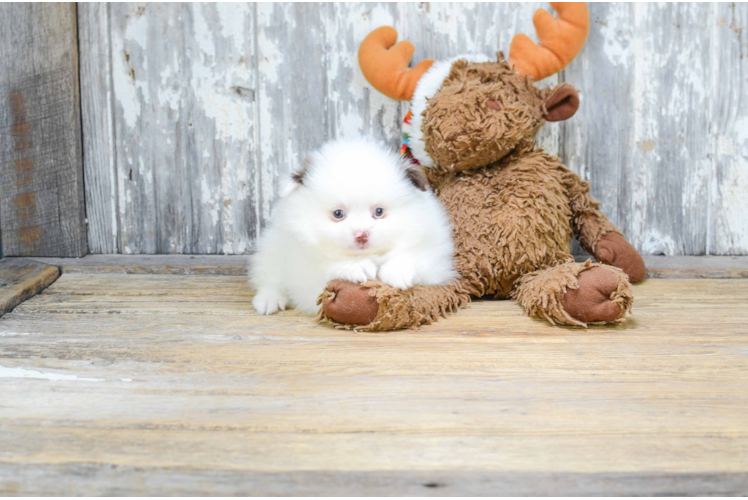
<point>592,302</point>
<point>576,294</point>
<point>349,303</point>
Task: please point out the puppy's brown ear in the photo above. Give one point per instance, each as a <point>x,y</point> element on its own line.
<point>417,177</point>
<point>300,175</point>
<point>298,178</point>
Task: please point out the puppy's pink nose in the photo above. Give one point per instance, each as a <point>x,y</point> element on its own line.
<point>362,236</point>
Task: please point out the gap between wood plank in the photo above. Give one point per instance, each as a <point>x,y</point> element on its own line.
<point>658,266</point>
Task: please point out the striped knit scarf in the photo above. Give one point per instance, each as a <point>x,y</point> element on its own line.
<point>405,148</point>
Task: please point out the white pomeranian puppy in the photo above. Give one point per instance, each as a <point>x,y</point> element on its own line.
<point>355,212</point>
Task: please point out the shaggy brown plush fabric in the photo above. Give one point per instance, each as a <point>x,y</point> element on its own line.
<point>420,305</point>
<point>588,223</point>
<point>514,210</point>
<point>480,114</point>
<point>508,220</point>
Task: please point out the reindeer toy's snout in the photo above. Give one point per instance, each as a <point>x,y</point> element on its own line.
<point>471,125</point>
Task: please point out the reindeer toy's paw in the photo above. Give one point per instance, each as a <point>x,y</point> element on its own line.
<point>576,294</point>
<point>594,301</point>
<point>349,303</point>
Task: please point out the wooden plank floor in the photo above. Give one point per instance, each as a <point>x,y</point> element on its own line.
<point>167,384</point>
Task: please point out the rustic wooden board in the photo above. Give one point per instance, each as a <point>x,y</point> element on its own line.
<point>184,112</point>
<point>21,279</point>
<point>292,92</point>
<point>728,233</point>
<point>642,135</point>
<point>42,208</point>
<point>661,130</point>
<point>671,142</point>
<point>169,384</point>
<point>99,141</point>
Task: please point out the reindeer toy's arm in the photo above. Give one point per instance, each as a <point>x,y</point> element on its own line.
<point>597,234</point>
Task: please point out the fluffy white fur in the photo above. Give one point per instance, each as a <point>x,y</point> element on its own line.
<point>305,246</point>
<point>428,85</point>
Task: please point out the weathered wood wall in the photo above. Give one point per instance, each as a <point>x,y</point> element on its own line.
<point>192,113</point>
<point>42,209</point>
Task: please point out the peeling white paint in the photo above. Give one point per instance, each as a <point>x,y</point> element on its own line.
<point>448,21</point>
<point>124,88</point>
<point>232,116</point>
<point>204,34</point>
<point>617,36</point>
<point>227,211</point>
<point>272,58</point>
<point>210,200</point>
<point>126,80</point>
<point>169,94</point>
<point>232,18</point>
<point>654,243</point>
<point>725,146</point>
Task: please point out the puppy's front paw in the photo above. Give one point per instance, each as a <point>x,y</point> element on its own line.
<point>370,269</point>
<point>268,301</point>
<point>398,274</point>
<point>355,271</point>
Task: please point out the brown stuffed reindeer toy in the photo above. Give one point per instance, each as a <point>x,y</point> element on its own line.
<point>514,208</point>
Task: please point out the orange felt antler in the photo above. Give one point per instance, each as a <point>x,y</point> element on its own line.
<point>560,40</point>
<point>385,65</point>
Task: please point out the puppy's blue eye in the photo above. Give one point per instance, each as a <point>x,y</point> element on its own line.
<point>338,214</point>
<point>378,212</point>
